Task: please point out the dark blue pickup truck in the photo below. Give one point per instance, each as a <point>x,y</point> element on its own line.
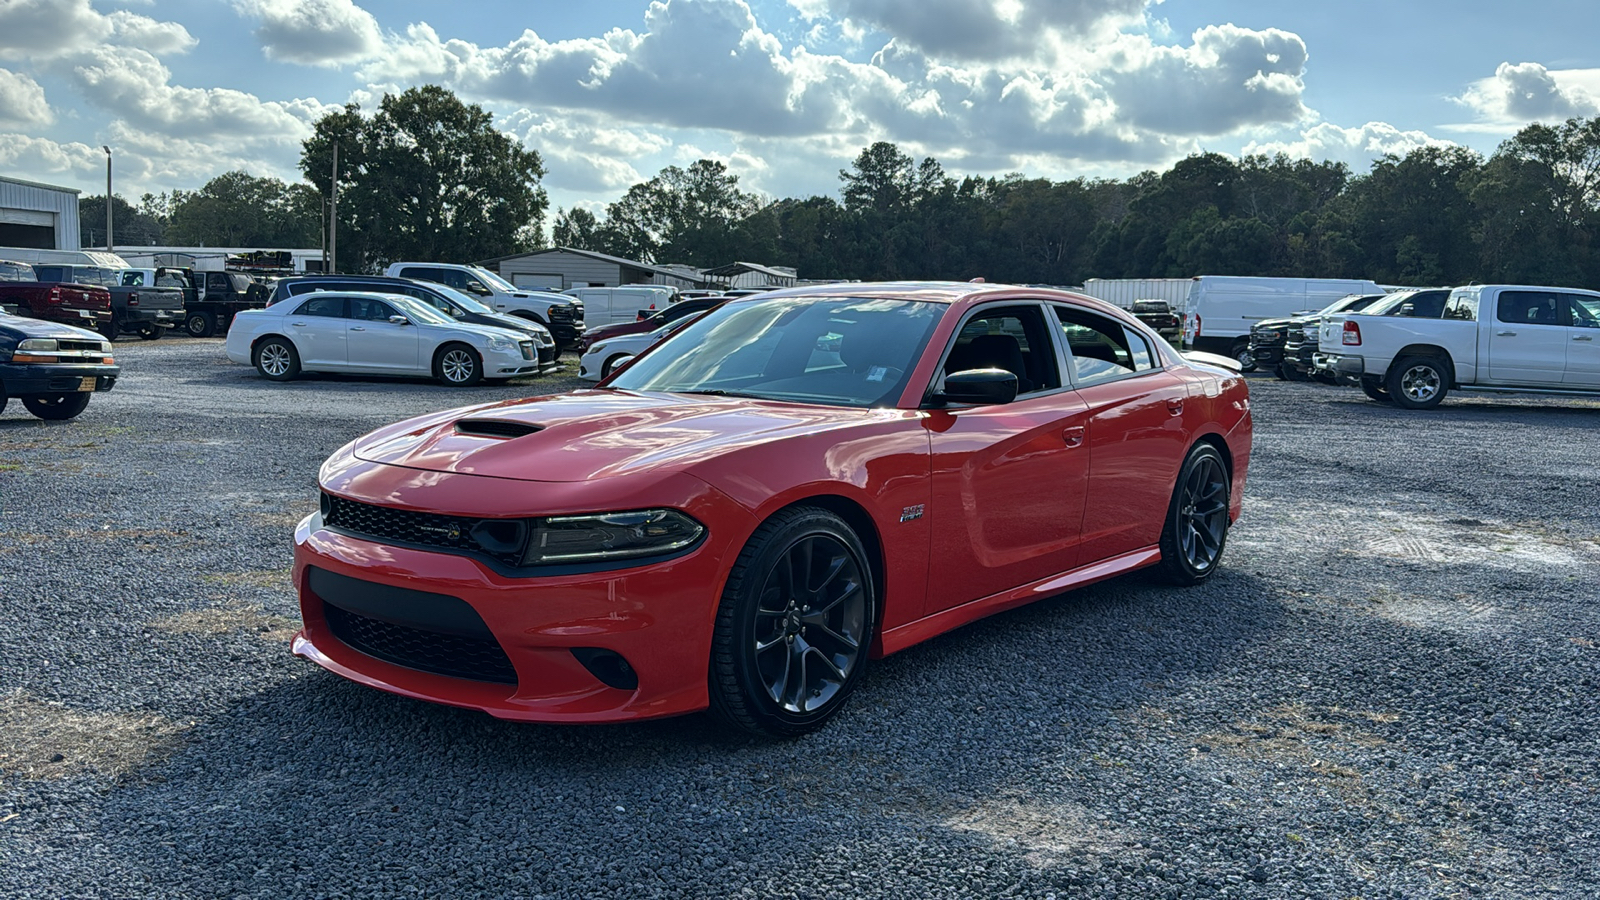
<point>52,368</point>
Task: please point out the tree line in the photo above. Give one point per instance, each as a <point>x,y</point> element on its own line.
<point>426,176</point>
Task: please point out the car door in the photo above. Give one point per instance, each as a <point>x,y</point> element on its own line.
<point>317,328</point>
<point>377,344</point>
<point>1583,341</point>
<point>1528,338</point>
<point>1136,430</point>
<point>1007,481</point>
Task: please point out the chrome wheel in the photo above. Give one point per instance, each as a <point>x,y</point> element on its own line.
<point>1420,383</point>
<point>811,620</point>
<point>457,366</point>
<point>1203,513</point>
<point>275,360</point>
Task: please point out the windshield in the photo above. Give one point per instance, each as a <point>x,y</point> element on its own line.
<point>419,311</point>
<point>493,280</point>
<point>836,351</point>
<point>465,301</point>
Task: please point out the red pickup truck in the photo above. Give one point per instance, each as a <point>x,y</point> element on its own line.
<point>22,294</point>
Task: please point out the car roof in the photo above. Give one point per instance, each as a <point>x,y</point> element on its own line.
<point>931,291</point>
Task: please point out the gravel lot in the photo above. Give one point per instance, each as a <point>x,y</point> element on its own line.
<point>1387,692</point>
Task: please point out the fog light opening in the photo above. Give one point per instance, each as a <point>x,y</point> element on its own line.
<point>608,667</point>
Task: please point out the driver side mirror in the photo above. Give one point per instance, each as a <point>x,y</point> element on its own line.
<point>476,287</point>
<point>979,386</point>
<point>1406,309</point>
<point>399,320</point>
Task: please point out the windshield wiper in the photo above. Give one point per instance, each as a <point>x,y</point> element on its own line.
<point>719,392</point>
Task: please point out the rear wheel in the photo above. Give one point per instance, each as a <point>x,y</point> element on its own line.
<point>794,625</point>
<point>277,360</point>
<point>57,406</point>
<point>458,365</point>
<point>200,324</point>
<point>1417,382</point>
<point>111,327</point>
<point>1196,529</point>
<point>151,332</point>
<point>1373,388</point>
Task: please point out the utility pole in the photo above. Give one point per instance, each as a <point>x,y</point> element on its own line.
<point>333,217</point>
<point>108,196</point>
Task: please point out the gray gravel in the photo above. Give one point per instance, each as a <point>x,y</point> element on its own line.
<point>1388,692</point>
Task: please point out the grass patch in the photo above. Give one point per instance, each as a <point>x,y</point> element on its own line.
<point>45,741</point>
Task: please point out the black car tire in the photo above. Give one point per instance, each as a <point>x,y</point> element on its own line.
<point>611,364</point>
<point>1417,382</point>
<point>276,359</point>
<point>111,327</point>
<point>4,398</point>
<point>1290,373</point>
<point>151,332</point>
<point>200,324</point>
<point>458,365</point>
<point>801,595</point>
<point>1196,528</point>
<point>1373,388</point>
<point>1246,357</point>
<point>57,406</point>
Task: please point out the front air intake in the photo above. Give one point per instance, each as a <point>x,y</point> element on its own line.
<point>496,428</point>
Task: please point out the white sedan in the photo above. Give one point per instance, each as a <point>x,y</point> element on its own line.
<point>375,334</point>
<point>604,357</point>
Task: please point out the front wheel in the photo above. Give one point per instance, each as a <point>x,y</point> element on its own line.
<point>458,365</point>
<point>1417,382</point>
<point>1196,528</point>
<point>794,625</point>
<point>111,327</point>
<point>57,406</point>
<point>1245,356</point>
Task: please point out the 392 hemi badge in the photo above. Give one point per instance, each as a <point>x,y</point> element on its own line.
<point>452,531</point>
<point>911,512</point>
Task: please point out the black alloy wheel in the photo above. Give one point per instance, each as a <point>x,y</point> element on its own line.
<point>794,625</point>
<point>200,324</point>
<point>1196,529</point>
<point>57,406</point>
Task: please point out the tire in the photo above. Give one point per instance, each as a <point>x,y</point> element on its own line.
<point>1290,373</point>
<point>1373,388</point>
<point>1417,382</point>
<point>151,332</point>
<point>1281,372</point>
<point>276,359</point>
<point>458,365</point>
<point>111,327</point>
<point>611,364</point>
<point>1196,529</point>
<point>200,324</point>
<point>4,398</point>
<point>803,577</point>
<point>57,407</point>
<point>1245,356</point>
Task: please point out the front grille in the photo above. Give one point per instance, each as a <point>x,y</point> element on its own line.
<point>454,655</point>
<point>501,539</point>
<point>567,312</point>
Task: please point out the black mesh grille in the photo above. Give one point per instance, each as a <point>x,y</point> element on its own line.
<point>497,538</point>
<point>458,656</point>
<point>565,313</point>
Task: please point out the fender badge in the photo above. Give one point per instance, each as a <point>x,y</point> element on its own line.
<point>911,512</point>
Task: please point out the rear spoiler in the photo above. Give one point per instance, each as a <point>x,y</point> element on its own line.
<point>1213,359</point>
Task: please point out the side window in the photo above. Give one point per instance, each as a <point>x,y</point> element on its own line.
<point>1584,310</point>
<point>1462,306</point>
<point>133,279</point>
<point>370,310</point>
<point>1529,308</point>
<point>1013,338</point>
<point>432,300</point>
<point>326,307</point>
<point>1101,348</point>
<point>1427,305</point>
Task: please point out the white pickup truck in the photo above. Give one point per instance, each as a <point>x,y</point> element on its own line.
<point>1493,337</point>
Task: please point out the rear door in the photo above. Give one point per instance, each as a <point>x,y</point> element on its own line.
<point>1528,338</point>
<point>377,344</point>
<point>1583,340</point>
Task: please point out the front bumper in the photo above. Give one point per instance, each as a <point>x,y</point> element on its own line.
<point>56,378</point>
<point>657,617</point>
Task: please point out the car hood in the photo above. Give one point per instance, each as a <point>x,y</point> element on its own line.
<point>511,323</point>
<point>592,434</point>
<point>23,328</point>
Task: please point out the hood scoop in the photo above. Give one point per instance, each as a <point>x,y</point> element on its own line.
<point>496,428</point>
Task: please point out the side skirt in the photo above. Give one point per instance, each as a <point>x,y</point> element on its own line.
<point>903,636</point>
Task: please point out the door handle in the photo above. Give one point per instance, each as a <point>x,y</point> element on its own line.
<point>298,324</point>
<point>1073,436</point>
<point>357,328</point>
<point>1175,406</point>
<point>1582,337</point>
<point>1505,334</point>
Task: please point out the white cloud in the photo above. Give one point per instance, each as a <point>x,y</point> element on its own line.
<point>1528,92</point>
<point>1229,78</point>
<point>22,102</point>
<point>144,33</point>
<point>42,29</point>
<point>42,158</point>
<point>315,32</point>
<point>986,29</point>
<point>1356,147</point>
<point>582,154</point>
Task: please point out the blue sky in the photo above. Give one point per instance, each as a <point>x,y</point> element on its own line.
<point>786,92</point>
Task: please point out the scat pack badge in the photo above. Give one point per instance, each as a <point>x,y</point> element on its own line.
<point>911,512</point>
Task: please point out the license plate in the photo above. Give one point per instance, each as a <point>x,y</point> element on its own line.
<point>86,384</point>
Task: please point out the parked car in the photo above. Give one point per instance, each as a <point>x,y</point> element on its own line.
<point>657,319</point>
<point>447,300</point>
<point>210,299</point>
<point>1269,338</point>
<point>52,368</point>
<point>562,315</point>
<point>23,294</point>
<point>375,334</point>
<point>1222,308</point>
<point>754,507</point>
<point>147,311</point>
<point>1159,316</point>
<point>1501,338</point>
<point>608,305</point>
<point>607,354</point>
<point>1301,350</point>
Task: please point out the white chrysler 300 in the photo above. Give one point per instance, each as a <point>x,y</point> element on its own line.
<point>374,334</point>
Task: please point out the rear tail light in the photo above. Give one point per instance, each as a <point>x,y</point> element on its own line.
<point>55,294</point>
<point>133,299</point>
<point>1352,334</point>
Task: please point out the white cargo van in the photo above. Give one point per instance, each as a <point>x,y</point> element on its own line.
<point>1221,308</point>
<point>604,305</point>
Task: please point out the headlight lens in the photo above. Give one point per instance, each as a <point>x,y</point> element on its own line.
<point>38,345</point>
<point>609,536</point>
<point>499,343</point>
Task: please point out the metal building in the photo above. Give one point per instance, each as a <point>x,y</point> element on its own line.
<point>37,216</point>
<point>564,267</point>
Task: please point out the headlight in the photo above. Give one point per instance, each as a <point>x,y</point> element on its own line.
<point>609,536</point>
<point>499,343</point>
<point>105,347</point>
<point>38,345</point>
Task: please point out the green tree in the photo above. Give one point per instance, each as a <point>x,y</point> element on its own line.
<point>680,215</point>
<point>426,177</point>
<point>128,225</point>
<point>576,228</point>
<point>240,210</point>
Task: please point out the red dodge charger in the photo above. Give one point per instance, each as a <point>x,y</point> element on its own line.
<point>740,519</point>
